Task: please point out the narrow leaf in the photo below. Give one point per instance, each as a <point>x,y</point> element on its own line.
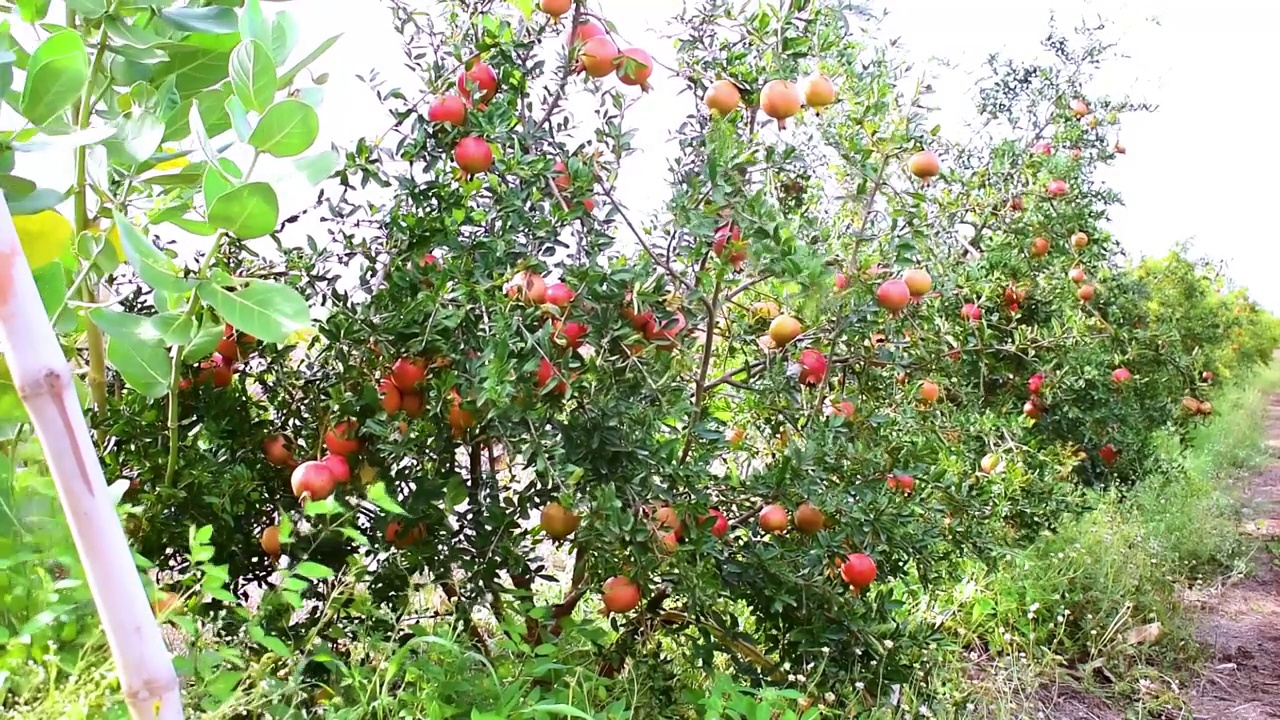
<point>314,55</point>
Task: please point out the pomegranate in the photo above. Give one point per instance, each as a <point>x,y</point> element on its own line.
<point>1079,241</point>
<point>809,519</point>
<point>780,100</point>
<point>480,76</point>
<point>397,535</point>
<point>667,517</point>
<point>928,391</point>
<point>390,394</point>
<point>918,281</point>
<point>734,435</point>
<point>598,56</point>
<point>1085,293</point>
<point>270,540</point>
<point>547,372</point>
<point>1031,410</point>
<point>555,8</point>
<point>1016,204</point>
<point>342,440</point>
<point>560,295</point>
<point>473,155</point>
<point>569,334</point>
<point>621,594</point>
<point>558,522</point>
<point>664,334</point>
<point>339,467</point>
<point>585,30</point>
<point>1121,375</point>
<point>766,309</point>
<point>528,286</point>
<point>408,373</point>
<point>1207,376</point>
<point>773,519</point>
<point>448,109</point>
<point>924,164</point>
<point>1079,108</point>
<point>902,483</point>
<point>971,312</point>
<point>276,449</point>
<point>723,97</point>
<point>893,295</point>
<point>412,403</point>
<point>1108,453</point>
<point>1056,188</point>
<point>1206,407</point>
<point>1191,404</point>
<point>730,237</point>
<point>989,463</point>
<point>1044,147</point>
<point>818,91</point>
<point>1075,153</point>
<point>784,329</point>
<point>859,570</point>
<point>561,176</point>
<point>813,366</point>
<point>460,419</point>
<point>721,525</point>
<point>228,349</point>
<point>841,281</point>
<point>843,408</point>
<point>312,480</point>
<point>1039,247</point>
<point>1035,383</point>
<point>1076,275</point>
<point>635,68</point>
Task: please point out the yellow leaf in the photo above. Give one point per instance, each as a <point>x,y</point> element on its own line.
<point>45,236</point>
<point>114,236</point>
<point>175,164</point>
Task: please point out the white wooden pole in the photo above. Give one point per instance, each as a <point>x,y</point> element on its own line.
<point>43,379</point>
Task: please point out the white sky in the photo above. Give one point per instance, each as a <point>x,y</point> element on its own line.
<point>1184,174</point>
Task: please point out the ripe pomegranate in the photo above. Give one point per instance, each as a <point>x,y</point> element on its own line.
<point>1118,148</point>
<point>773,519</point>
<point>918,281</point>
<point>621,594</point>
<point>734,435</point>
<point>585,30</point>
<point>989,463</point>
<point>407,373</point>
<point>342,440</point>
<point>598,56</point>
<point>721,525</point>
<point>842,408</point>
<point>276,449</point>
<point>859,570</point>
<point>557,521</point>
<point>480,76</point>
<point>1075,153</point>
<point>635,68</point>
<point>546,372</point>
<point>1191,404</point>
<point>766,309</point>
<point>1108,453</point>
<point>1121,375</point>
<point>448,109</point>
<point>228,349</point>
<point>412,403</point>
<point>555,8</point>
<point>903,483</point>
<point>339,467</point>
<point>893,295</point>
<point>1016,204</point>
<point>397,535</point>
<point>971,312</point>
<point>928,391</point>
<point>1031,410</point>
<point>460,419</point>
<point>664,334</point>
<point>1079,241</point>
<point>528,286</point>
<point>1076,275</point>
<point>841,281</point>
<point>1039,247</point>
<point>818,91</point>
<point>391,399</point>
<point>270,541</point>
<point>924,164</point>
<point>1085,293</point>
<point>312,480</point>
<point>569,334</point>
<point>667,517</point>
<point>780,100</point>
<point>784,329</point>
<point>1206,407</point>
<point>723,97</point>
<point>809,519</point>
<point>1035,383</point>
<point>559,294</point>
<point>1044,147</point>
<point>1056,188</point>
<point>813,366</point>
<point>473,155</point>
<point>560,176</point>
<point>730,237</point>
<point>1207,376</point>
<point>1079,108</point>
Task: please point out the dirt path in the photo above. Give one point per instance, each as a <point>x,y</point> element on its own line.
<point>1241,621</point>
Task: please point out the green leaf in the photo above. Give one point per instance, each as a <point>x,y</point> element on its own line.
<point>193,68</point>
<point>174,327</point>
<point>286,129</point>
<point>33,11</point>
<point>314,55</point>
<point>125,326</point>
<point>202,138</point>
<point>319,167</point>
<point>137,138</point>
<point>131,34</point>
<point>253,77</point>
<point>154,267</point>
<point>205,342</point>
<point>284,37</point>
<point>239,118</point>
<point>14,185</point>
<point>51,283</point>
<point>135,351</point>
<point>561,709</point>
<point>269,642</point>
<point>253,24</point>
<point>216,20</point>
<point>88,8</point>
<point>377,494</point>
<point>39,200</point>
<point>248,211</point>
<point>213,111</point>
<point>56,76</point>
<point>312,570</point>
<point>68,141</point>
<point>266,310</point>
<point>219,180</point>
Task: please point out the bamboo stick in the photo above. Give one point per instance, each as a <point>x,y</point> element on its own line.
<point>43,379</point>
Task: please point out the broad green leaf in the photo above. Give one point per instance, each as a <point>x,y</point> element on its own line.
<point>202,138</point>
<point>56,76</point>
<point>286,129</point>
<point>216,20</point>
<point>284,37</point>
<point>195,227</point>
<point>15,185</point>
<point>33,11</point>
<point>213,111</point>
<point>219,180</point>
<point>269,642</point>
<point>133,62</point>
<point>131,34</point>
<point>312,570</point>
<point>314,55</point>
<point>135,351</point>
<point>253,24</point>
<point>193,68</point>
<point>51,283</point>
<point>69,141</point>
<point>137,138</point>
<point>253,76</point>
<point>125,326</point>
<point>239,118</point>
<point>176,124</point>
<point>37,201</point>
<point>266,310</point>
<point>248,211</point>
<point>205,342</point>
<point>88,8</point>
<point>144,3</point>
<point>377,494</point>
<point>174,327</point>
<point>319,167</point>
<point>154,267</point>
<point>568,711</point>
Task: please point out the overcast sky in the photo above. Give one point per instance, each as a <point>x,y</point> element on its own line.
<point>1185,176</point>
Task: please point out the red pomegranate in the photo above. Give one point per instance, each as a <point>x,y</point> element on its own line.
<point>547,372</point>
<point>312,480</point>
<point>893,295</point>
<point>473,155</point>
<point>730,237</point>
<point>773,518</point>
<point>902,483</point>
<point>560,295</point>
<point>569,334</point>
<point>723,97</point>
<point>598,56</point>
<point>1035,383</point>
<point>813,366</point>
<point>635,68</point>
<point>859,570</point>
<point>1109,454</point>
<point>721,524</point>
<point>483,78</point>
<point>339,467</point>
<point>841,281</point>
<point>1039,247</point>
<point>1044,147</point>
<point>585,30</point>
<point>1121,375</point>
<point>408,373</point>
<point>621,594</point>
<point>448,109</point>
<point>1056,188</point>
<point>924,164</point>
<point>971,312</point>
<point>918,281</point>
<point>276,449</point>
<point>342,440</point>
